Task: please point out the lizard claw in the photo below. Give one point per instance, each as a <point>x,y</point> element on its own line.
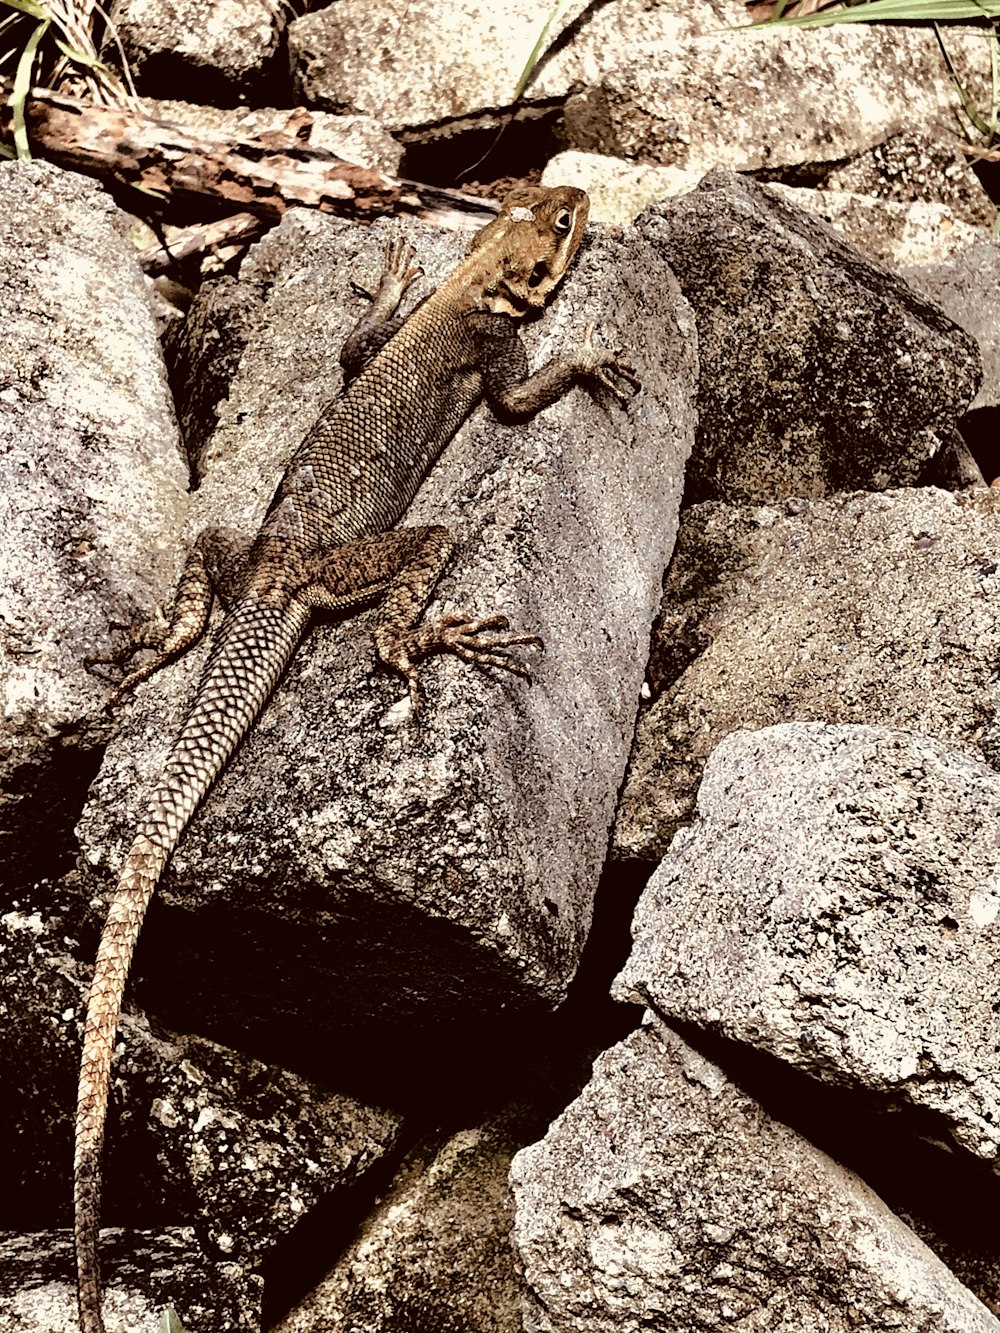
<point>399,265</point>
<point>609,368</point>
<point>464,638</point>
<point>453,634</point>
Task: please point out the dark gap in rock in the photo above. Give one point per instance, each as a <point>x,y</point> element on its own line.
<point>519,150</point>
<point>300,1259</point>
<point>540,1064</point>
<point>981,431</point>
<point>989,179</point>
<point>947,1196</point>
<point>804,175</point>
<point>44,802</point>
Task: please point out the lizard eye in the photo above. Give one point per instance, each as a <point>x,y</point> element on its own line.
<point>563,222</point>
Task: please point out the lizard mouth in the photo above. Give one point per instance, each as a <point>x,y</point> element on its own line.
<point>538,274</point>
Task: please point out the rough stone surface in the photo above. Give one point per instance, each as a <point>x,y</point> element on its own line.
<point>638,78</point>
<point>914,167</point>
<point>618,190</point>
<point>356,138</point>
<point>965,286</point>
<point>92,481</point>
<point>666,1198</point>
<point>229,49</point>
<point>430,63</point>
<point>835,903</point>
<point>893,232</point>
<point>435,1253</point>
<point>146,1272</point>
<point>862,608</point>
<point>819,371</point>
<point>654,85</point>
<point>352,865</point>
<point>197,1132</point>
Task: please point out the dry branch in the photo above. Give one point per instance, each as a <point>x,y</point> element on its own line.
<point>218,176</point>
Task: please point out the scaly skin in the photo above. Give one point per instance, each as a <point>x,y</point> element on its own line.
<point>330,540</point>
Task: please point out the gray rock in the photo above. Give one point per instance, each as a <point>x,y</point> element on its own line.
<point>435,1253</point>
<point>966,286</point>
<point>820,371</point>
<point>893,232</point>
<point>92,489</point>
<point>429,65</point>
<point>351,865</point>
<point>777,97</point>
<point>149,1271</point>
<point>835,904</point>
<point>914,167</point>
<point>862,608</point>
<point>197,1132</point>
<point>227,52</point>
<point>665,1198</point>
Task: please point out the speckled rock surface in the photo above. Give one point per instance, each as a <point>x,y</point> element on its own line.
<point>819,370</point>
<point>147,1271</point>
<point>965,286</point>
<point>197,1132</point>
<point>836,904</point>
<point>435,1251</point>
<point>92,489</point>
<point>861,608</point>
<point>665,1198</point>
<point>230,50</point>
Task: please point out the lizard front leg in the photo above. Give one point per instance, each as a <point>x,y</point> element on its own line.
<point>377,325</point>
<point>403,566</point>
<point>515,394</point>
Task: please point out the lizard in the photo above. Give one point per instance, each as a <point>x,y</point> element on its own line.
<point>330,541</point>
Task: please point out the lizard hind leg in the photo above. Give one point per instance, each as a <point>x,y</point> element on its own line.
<point>213,568</point>
<point>401,640</point>
<point>403,566</point>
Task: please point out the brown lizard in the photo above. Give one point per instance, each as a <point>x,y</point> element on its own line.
<point>330,541</point>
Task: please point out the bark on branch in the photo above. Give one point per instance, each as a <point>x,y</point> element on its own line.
<point>263,176</point>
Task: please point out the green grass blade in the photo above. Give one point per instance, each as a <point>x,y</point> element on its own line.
<point>22,87</point>
<point>29,7</point>
<point>900,11</point>
<point>968,105</point>
<point>539,47</point>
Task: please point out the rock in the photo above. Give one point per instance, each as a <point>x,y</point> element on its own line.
<point>835,904</point>
<point>147,1272</point>
<point>196,1131</point>
<point>912,167</point>
<point>819,371</point>
<point>664,1197</point>
<point>454,64</point>
<point>435,1252</point>
<point>861,608</point>
<point>965,287</point>
<point>893,233</point>
<point>353,873</point>
<point>226,52</point>
<point>92,491</point>
<point>777,97</point>
<point>618,190</point>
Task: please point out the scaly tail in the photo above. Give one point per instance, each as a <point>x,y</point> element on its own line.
<point>251,649</point>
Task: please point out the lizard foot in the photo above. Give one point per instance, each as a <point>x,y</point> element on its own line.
<point>399,273</point>
<point>458,635</point>
<point>609,368</point>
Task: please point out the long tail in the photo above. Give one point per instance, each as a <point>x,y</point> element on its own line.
<point>251,650</point>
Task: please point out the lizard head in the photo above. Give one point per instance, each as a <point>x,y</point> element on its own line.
<point>529,246</point>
